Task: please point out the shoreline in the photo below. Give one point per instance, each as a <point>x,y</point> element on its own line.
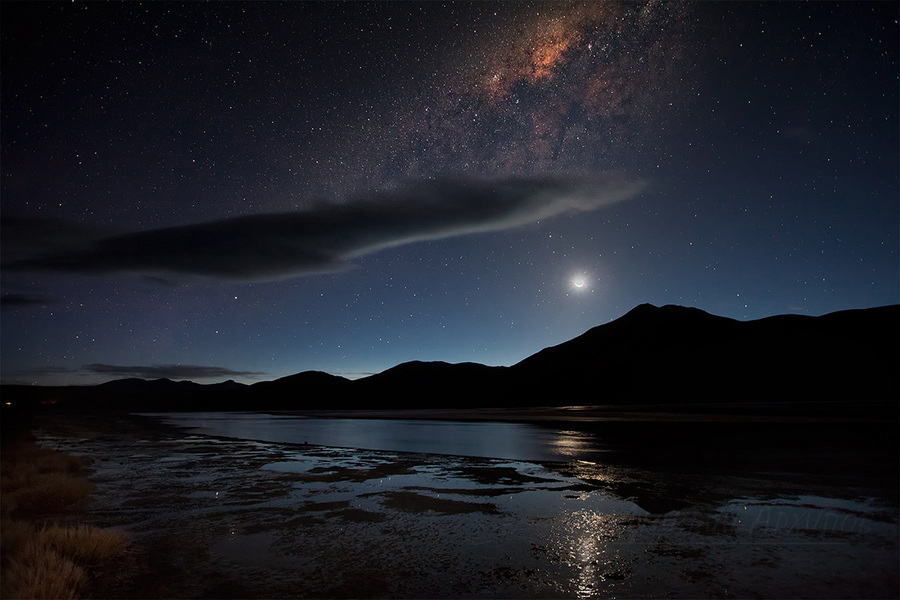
<point>761,412</point>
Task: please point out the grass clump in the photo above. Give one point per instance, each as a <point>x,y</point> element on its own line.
<point>48,492</point>
<point>85,544</point>
<point>40,480</point>
<point>33,570</point>
<point>53,561</point>
<point>48,561</point>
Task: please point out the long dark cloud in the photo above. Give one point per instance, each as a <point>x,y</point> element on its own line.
<point>170,371</point>
<point>324,238</point>
<point>167,371</point>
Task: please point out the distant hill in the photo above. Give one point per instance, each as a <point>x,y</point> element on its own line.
<point>425,384</point>
<point>651,355</point>
<point>672,353</point>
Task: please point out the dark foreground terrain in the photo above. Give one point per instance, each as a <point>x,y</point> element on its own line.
<point>661,509</point>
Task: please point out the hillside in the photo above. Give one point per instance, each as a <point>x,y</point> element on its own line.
<point>682,354</point>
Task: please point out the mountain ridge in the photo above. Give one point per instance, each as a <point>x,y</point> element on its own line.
<point>661,354</point>
<point>711,357</point>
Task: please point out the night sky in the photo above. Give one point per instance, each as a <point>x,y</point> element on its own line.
<point>215,191</point>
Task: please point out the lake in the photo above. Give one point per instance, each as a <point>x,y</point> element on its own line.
<point>519,441</point>
<point>254,505</point>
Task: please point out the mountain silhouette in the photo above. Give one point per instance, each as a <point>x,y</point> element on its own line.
<point>418,384</point>
<point>678,354</point>
<point>652,355</point>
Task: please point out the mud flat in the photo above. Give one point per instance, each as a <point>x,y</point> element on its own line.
<point>213,516</point>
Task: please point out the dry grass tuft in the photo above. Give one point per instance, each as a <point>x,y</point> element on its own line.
<point>48,492</point>
<point>36,572</point>
<point>49,562</point>
<point>85,544</point>
<point>29,459</point>
<point>36,480</point>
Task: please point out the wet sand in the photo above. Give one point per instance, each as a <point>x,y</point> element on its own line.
<point>216,517</point>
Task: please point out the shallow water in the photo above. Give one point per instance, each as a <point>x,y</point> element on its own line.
<point>518,441</point>
<point>213,516</point>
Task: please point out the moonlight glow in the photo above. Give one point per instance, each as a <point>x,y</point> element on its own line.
<point>579,282</point>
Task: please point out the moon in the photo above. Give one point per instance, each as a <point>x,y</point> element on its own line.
<point>579,282</point>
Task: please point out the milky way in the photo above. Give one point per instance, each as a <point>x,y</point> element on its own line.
<point>551,87</point>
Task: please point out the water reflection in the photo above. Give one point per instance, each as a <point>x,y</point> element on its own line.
<point>594,556</point>
<point>573,445</point>
<point>459,438</point>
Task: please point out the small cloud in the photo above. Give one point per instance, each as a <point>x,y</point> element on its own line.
<point>31,375</point>
<point>13,301</point>
<point>177,372</point>
<point>322,239</point>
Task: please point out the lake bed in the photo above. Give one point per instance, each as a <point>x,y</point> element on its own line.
<point>216,513</point>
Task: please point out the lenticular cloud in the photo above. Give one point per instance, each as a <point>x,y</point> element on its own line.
<point>327,237</point>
